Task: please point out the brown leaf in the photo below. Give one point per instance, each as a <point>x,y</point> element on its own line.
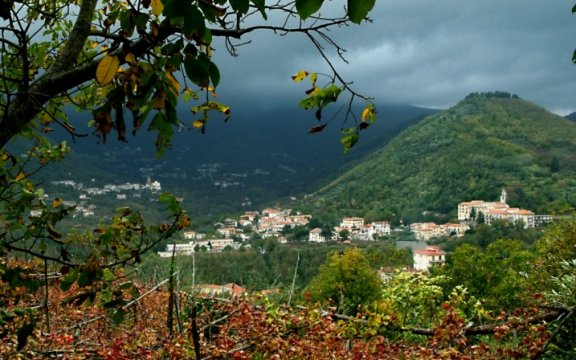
<point>316,129</point>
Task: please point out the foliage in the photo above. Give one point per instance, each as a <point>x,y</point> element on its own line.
<point>266,265</point>
<point>141,57</point>
<point>253,327</point>
<point>556,278</point>
<point>508,288</point>
<point>346,280</point>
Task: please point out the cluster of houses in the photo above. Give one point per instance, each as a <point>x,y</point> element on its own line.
<point>429,230</point>
<point>353,228</point>
<point>272,222</point>
<point>492,211</point>
<point>84,208</point>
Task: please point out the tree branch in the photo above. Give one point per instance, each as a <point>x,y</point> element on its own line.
<point>77,38</point>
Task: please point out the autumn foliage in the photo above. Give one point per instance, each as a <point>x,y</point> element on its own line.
<point>251,327</point>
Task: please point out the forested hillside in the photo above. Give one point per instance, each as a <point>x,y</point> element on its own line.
<point>256,158</point>
<point>471,151</point>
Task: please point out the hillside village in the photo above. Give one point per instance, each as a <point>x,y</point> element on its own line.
<point>84,207</point>
<point>234,234</point>
<point>274,222</point>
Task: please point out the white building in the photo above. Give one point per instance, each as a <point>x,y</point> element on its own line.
<point>352,223</point>
<point>381,228</point>
<point>315,235</point>
<point>479,206</point>
<point>513,215</point>
<point>179,249</point>
<point>429,257</point>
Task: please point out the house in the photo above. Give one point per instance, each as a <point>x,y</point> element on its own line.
<point>513,215</point>
<point>315,235</point>
<point>228,290</point>
<point>427,231</point>
<point>352,223</point>
<point>178,249</point>
<point>431,256</point>
<point>226,231</point>
<point>381,228</point>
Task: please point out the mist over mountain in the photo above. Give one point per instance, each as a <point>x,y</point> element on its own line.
<point>258,157</point>
<point>470,151</point>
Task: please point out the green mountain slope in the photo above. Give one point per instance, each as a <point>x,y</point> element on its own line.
<point>484,143</point>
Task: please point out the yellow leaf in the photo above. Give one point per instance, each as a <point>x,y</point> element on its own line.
<point>198,124</point>
<point>107,69</point>
<point>174,82</point>
<point>300,75</point>
<point>130,58</point>
<point>157,7</point>
<point>57,202</point>
<point>368,113</point>
<point>21,175</point>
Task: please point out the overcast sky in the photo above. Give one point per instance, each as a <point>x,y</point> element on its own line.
<point>429,53</point>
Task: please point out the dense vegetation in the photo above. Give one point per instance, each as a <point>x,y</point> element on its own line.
<point>267,264</point>
<point>499,302</point>
<point>471,151</point>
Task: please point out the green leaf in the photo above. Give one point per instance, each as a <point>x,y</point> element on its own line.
<point>214,74</point>
<point>349,138</point>
<point>128,22</point>
<point>306,8</point>
<point>310,102</point>
<point>85,278</point>
<point>198,70</point>
<point>358,9</point>
<point>174,9</point>
<point>160,123</point>
<point>118,316</point>
<point>194,23</point>
<point>69,280</point>
<point>260,6</point>
<point>240,6</point>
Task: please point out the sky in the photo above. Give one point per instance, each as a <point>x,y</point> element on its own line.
<point>429,53</point>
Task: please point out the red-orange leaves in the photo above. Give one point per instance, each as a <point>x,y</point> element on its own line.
<point>104,124</point>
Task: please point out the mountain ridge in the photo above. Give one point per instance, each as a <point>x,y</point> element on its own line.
<point>258,157</point>
<point>469,151</point>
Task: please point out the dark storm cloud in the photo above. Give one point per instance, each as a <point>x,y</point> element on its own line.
<point>428,53</point>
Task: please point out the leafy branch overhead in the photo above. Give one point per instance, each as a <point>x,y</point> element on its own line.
<point>142,57</point>
<point>320,97</point>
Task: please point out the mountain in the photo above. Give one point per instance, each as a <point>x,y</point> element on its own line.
<point>571,116</point>
<point>471,151</point>
<point>258,156</point>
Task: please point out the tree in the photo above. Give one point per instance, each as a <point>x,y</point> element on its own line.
<point>344,234</point>
<point>480,219</point>
<point>347,280</point>
<point>128,56</point>
<point>327,232</point>
<point>501,275</point>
